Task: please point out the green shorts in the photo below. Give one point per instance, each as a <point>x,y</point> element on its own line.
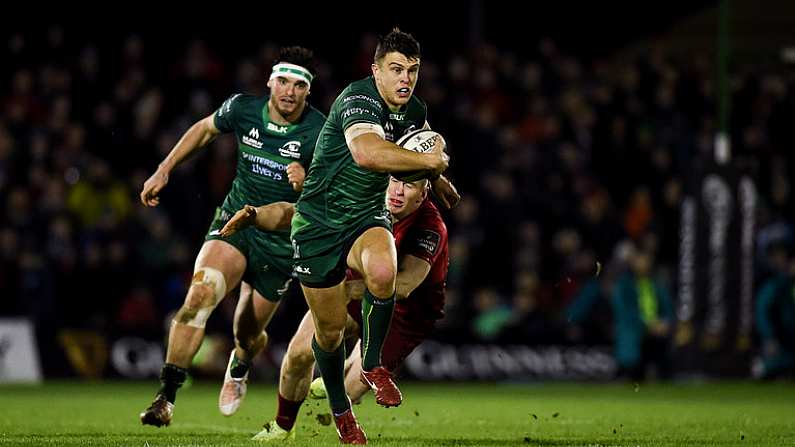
<point>320,254</point>
<point>269,275</point>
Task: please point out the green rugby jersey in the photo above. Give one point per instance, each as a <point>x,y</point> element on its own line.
<point>338,193</point>
<point>264,151</point>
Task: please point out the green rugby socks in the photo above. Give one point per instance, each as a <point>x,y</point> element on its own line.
<point>376,318</point>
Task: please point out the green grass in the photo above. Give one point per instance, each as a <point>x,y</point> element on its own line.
<point>723,414</point>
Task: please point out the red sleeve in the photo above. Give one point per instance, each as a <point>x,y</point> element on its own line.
<point>426,237</point>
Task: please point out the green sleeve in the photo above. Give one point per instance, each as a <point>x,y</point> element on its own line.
<point>359,107</point>
<point>224,118</point>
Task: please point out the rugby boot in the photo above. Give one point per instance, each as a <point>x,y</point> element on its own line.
<point>233,391</point>
<point>379,379</point>
<point>348,429</point>
<point>159,413</point>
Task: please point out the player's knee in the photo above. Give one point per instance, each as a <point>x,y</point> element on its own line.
<point>381,280</point>
<point>299,356</point>
<point>251,342</point>
<point>206,290</point>
<point>199,296</point>
<point>329,337</point>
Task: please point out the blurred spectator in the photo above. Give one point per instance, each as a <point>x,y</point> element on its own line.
<point>527,323</point>
<point>589,316</point>
<point>99,200</point>
<point>775,323</point>
<point>492,315</point>
<point>644,316</point>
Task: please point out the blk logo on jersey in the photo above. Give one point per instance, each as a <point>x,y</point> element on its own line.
<point>277,129</point>
<point>291,149</point>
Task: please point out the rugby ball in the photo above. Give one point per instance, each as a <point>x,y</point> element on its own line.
<point>422,140</point>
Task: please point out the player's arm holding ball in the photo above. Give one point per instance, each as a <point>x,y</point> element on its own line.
<point>372,152</point>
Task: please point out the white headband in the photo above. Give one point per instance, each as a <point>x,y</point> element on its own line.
<point>292,71</point>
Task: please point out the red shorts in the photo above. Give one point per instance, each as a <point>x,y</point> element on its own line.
<point>404,335</point>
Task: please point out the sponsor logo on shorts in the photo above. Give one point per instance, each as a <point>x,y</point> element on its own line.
<point>296,250</point>
<point>284,288</point>
<point>302,270</point>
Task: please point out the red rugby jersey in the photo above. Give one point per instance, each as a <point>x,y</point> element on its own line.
<point>422,234</point>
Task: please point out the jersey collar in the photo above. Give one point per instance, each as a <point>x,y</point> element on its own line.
<point>273,128</point>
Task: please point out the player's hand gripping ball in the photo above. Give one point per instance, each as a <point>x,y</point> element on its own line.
<point>422,140</point>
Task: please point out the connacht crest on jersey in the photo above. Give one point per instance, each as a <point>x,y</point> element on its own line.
<point>291,149</point>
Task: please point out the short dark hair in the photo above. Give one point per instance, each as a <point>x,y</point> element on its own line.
<point>298,56</point>
<point>397,40</point>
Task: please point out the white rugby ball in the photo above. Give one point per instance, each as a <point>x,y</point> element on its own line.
<point>422,140</point>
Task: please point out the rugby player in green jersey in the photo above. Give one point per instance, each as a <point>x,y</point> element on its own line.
<point>341,219</point>
<point>276,136</point>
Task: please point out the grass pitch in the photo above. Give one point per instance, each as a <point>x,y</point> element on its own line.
<point>721,414</point>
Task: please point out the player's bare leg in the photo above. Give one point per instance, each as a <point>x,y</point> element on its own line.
<point>296,374</point>
<point>252,315</point>
<point>298,363</point>
<point>329,315</point>
<point>218,269</point>
<point>353,372</point>
<point>373,255</point>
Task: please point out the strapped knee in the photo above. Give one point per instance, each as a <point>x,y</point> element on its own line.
<point>215,280</point>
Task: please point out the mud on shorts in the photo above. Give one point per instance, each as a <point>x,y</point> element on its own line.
<point>269,275</point>
<point>320,254</point>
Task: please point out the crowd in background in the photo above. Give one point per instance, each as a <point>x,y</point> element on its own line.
<point>569,166</point>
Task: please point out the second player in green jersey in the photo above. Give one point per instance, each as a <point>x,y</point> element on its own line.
<point>275,136</point>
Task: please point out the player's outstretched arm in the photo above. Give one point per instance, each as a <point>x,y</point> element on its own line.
<point>197,136</point>
<point>445,192</point>
<point>443,188</point>
<point>372,152</point>
<point>271,217</point>
<point>412,271</point>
